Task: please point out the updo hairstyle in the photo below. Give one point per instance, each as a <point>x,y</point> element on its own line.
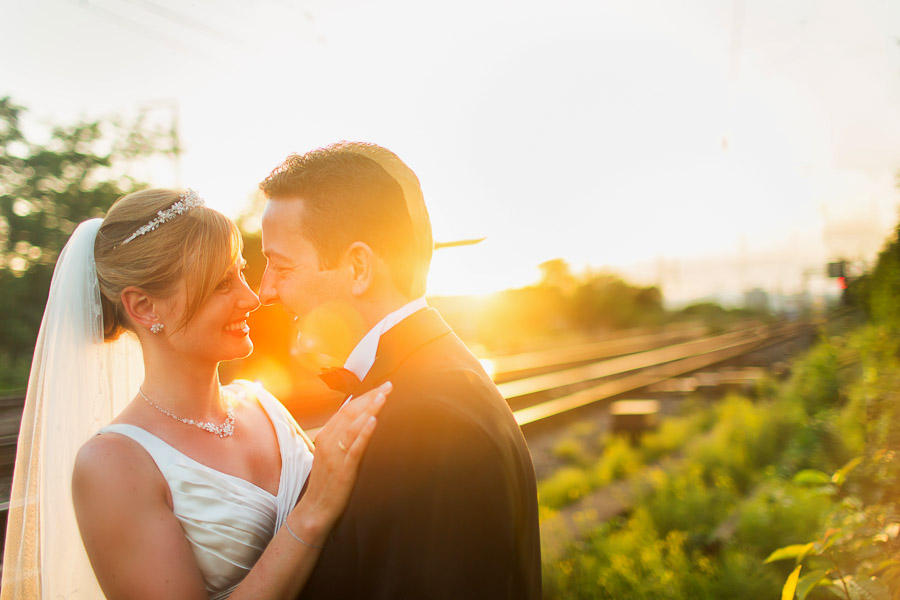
<point>200,245</point>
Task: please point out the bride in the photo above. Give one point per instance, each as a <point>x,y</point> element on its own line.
<point>191,491</point>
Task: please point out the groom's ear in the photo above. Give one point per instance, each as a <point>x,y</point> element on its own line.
<point>360,262</point>
<point>139,306</point>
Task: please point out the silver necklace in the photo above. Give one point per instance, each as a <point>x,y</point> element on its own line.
<point>224,430</point>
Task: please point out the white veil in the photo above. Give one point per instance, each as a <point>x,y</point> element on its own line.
<point>77,384</point>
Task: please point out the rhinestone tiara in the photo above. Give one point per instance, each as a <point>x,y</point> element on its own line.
<point>185,202</point>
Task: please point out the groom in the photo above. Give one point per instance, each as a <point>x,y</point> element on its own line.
<point>445,503</point>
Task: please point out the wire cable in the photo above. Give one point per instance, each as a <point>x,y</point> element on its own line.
<point>184,20</point>
<point>161,38</point>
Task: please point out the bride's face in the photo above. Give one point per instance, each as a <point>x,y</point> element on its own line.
<point>218,331</point>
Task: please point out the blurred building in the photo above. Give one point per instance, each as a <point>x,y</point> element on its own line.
<point>756,300</point>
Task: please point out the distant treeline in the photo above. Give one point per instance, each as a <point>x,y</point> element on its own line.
<point>564,306</point>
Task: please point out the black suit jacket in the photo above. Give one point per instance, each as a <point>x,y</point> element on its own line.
<point>445,505</point>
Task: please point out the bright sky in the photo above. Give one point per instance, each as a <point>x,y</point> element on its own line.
<point>708,145</point>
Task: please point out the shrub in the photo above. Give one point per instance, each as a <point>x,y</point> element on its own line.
<point>684,501</point>
<point>565,486</point>
<point>622,560</point>
<point>746,438</point>
<point>619,460</point>
<point>674,433</point>
<point>818,443</point>
<point>815,381</point>
<point>780,513</point>
<point>630,559</point>
<point>572,451</point>
<point>569,484</point>
<point>875,394</point>
<point>857,554</point>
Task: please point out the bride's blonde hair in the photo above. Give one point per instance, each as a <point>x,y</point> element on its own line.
<point>200,245</point>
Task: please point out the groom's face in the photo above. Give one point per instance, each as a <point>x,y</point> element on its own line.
<point>293,276</point>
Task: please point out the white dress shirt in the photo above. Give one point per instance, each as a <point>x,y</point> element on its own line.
<point>363,356</point>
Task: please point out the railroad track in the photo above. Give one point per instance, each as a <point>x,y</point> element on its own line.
<point>528,364</point>
<point>543,386</point>
<point>542,398</point>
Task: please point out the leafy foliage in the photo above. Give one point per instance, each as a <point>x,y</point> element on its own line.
<point>685,501</point>
<point>856,552</point>
<point>714,316</point>
<point>780,513</point>
<point>615,458</point>
<point>631,559</point>
<point>742,487</point>
<point>857,549</point>
<point>46,189</point>
<point>815,380</point>
<point>877,291</point>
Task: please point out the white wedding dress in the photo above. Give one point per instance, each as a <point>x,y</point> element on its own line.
<point>79,383</point>
<point>228,520</point>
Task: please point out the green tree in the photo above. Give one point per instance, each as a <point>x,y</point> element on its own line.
<point>46,189</point>
<point>878,290</point>
<point>605,302</point>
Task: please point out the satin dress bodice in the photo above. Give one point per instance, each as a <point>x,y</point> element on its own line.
<point>228,520</point>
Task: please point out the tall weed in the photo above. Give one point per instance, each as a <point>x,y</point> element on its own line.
<point>815,382</point>
<point>630,559</point>
<point>746,438</point>
<point>780,513</point>
<point>684,501</point>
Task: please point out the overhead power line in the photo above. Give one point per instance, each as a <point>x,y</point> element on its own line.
<point>156,36</point>
<point>183,20</point>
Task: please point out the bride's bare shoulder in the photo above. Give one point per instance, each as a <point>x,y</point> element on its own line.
<point>124,512</point>
<point>114,464</point>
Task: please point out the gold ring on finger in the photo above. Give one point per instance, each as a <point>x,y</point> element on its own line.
<point>342,446</point>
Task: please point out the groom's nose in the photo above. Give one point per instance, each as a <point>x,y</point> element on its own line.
<point>267,293</point>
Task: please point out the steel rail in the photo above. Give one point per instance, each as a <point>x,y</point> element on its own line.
<point>519,366</point>
<point>674,362</point>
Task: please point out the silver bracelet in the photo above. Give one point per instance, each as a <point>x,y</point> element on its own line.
<point>298,538</point>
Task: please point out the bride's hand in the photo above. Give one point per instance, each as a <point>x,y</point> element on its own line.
<point>289,559</point>
<point>340,446</point>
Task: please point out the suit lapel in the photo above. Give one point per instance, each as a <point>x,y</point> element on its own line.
<point>401,340</point>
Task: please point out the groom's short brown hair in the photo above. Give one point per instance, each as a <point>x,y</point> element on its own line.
<point>354,191</point>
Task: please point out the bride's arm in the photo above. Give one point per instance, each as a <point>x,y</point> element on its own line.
<point>136,545</point>
<point>138,548</point>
